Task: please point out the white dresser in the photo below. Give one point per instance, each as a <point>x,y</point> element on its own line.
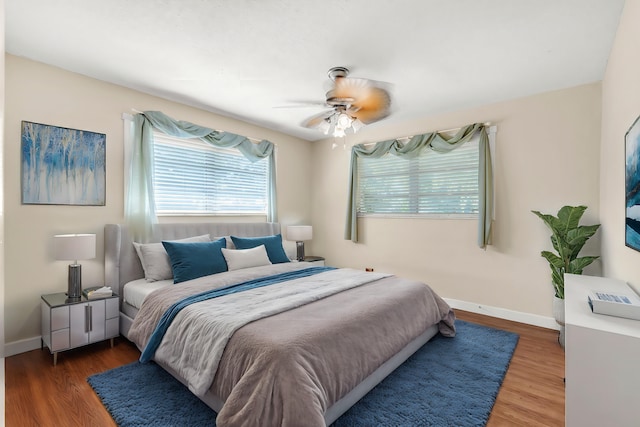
<point>602,359</point>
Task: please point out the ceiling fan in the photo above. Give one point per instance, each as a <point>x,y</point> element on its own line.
<point>353,102</point>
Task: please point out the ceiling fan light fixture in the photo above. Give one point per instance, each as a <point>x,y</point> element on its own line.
<point>344,121</point>
<point>341,122</point>
<point>325,126</point>
<point>353,103</point>
<point>338,132</point>
<point>356,125</point>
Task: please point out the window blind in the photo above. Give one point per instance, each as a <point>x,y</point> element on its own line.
<point>193,177</point>
<point>431,184</point>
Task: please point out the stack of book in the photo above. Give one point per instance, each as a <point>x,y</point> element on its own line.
<point>97,292</point>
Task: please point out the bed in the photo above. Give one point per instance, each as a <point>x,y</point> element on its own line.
<point>303,351</point>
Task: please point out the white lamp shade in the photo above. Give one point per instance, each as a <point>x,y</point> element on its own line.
<point>72,247</point>
<point>299,233</point>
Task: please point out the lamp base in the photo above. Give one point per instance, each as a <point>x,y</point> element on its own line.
<point>74,290</point>
<point>300,251</point>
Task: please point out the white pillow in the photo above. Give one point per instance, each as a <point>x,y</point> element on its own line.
<point>155,260</point>
<point>230,244</point>
<point>245,258</point>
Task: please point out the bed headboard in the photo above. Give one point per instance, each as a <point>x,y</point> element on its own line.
<point>121,262</point>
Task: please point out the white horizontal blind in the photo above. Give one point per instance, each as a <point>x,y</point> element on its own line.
<point>431,184</point>
<point>195,178</point>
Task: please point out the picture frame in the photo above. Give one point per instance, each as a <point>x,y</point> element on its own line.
<point>62,166</point>
<point>632,186</point>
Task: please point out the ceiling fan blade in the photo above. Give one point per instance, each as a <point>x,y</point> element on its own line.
<point>371,101</point>
<point>316,120</point>
<point>303,104</point>
<point>375,106</point>
<point>365,100</point>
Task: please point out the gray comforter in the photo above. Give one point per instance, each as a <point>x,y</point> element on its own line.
<point>291,365</point>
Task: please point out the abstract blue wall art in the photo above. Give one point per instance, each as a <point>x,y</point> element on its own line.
<point>62,166</point>
<point>632,185</point>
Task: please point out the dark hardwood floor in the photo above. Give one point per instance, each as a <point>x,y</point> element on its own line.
<point>40,394</point>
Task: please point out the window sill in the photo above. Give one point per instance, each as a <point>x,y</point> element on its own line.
<point>421,216</point>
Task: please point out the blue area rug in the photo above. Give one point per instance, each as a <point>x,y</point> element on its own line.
<point>448,382</point>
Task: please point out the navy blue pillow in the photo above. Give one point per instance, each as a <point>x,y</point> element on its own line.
<point>273,245</point>
<point>190,260</point>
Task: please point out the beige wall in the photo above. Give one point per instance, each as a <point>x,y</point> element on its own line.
<point>2,96</point>
<point>620,107</point>
<point>44,94</point>
<point>547,155</point>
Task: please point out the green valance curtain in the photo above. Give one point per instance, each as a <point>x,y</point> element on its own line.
<point>429,141</point>
<point>140,210</point>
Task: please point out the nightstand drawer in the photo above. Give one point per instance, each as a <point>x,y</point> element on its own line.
<point>60,340</point>
<point>59,318</point>
<point>113,308</point>
<point>113,327</point>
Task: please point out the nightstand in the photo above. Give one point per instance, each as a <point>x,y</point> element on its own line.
<point>317,261</point>
<point>70,324</point>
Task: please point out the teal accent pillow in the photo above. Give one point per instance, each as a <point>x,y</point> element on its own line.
<point>273,245</point>
<point>190,260</point>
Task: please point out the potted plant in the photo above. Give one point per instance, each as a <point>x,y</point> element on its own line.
<point>567,237</point>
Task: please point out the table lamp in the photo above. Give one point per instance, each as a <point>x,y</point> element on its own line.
<point>72,247</point>
<point>299,233</point>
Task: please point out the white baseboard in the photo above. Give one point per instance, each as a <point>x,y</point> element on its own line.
<point>22,346</point>
<point>29,344</point>
<point>503,313</point>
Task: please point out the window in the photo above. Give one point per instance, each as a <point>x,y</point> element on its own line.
<point>431,184</point>
<point>192,177</point>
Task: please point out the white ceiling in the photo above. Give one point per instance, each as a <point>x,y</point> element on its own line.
<point>243,58</point>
